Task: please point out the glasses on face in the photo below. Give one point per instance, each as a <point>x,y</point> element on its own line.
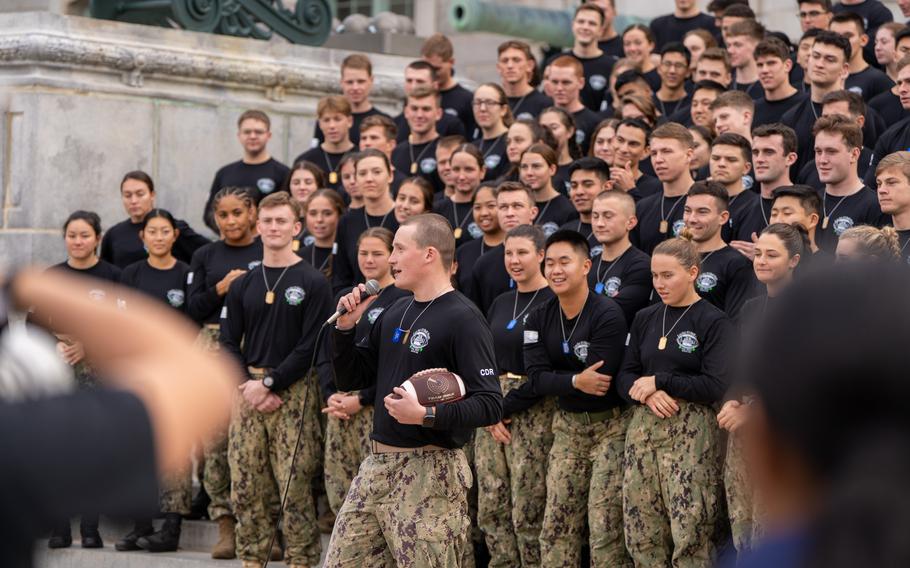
<point>810,14</point>
<point>673,65</point>
<point>485,103</point>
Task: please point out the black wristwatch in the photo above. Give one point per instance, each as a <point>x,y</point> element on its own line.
<point>430,417</point>
<point>268,382</point>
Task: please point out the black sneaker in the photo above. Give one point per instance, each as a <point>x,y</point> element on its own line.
<point>61,537</point>
<point>165,540</point>
<point>128,543</point>
<point>88,529</point>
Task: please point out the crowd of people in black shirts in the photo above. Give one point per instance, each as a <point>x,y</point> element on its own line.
<point>619,209</point>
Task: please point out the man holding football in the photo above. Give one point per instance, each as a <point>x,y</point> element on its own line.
<point>408,503</point>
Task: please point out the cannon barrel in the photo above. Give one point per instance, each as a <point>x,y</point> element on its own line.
<point>553,27</point>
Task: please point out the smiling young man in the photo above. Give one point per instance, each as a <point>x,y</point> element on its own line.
<point>417,74</point>
<point>698,111</point>
<point>730,164</point>
<point>828,68</point>
<point>620,271</point>
<point>864,79</point>
<point>438,51</point>
<point>566,79</point>
<point>660,215</point>
<point>589,176</point>
<point>417,156</point>
<point>772,60</point>
<point>846,201</point>
<point>269,322</point>
<point>356,85</point>
<point>335,120</point>
<point>516,66</point>
<point>798,204</point>
<point>573,346</point>
<point>408,503</point>
<point>726,278</point>
<point>897,137</point>
<point>514,207</point>
<point>257,169</point>
<point>673,71</point>
<point>587,24</point>
<point>630,147</point>
<point>893,181</point>
<point>732,112</point>
<point>773,152</point>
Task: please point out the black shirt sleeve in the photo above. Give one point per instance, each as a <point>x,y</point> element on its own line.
<point>202,300</point>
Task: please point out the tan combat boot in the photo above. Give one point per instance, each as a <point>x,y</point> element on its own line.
<point>225,548</point>
<point>251,564</point>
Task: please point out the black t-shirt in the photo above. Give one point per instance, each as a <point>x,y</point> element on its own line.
<point>626,279</point>
<point>418,160</point>
<point>670,28</point>
<point>448,125</point>
<point>612,46</point>
<point>89,452</point>
<point>328,161</point>
<point>555,348</point>
<point>562,180</point>
<point>507,318</point>
<point>745,217</point>
<point>726,280</point>
<point>553,214</point>
<point>809,174</point>
<point>459,216</point>
<point>585,230</point>
<point>801,118</point>
<point>529,106</point>
<point>324,368</point>
<point>586,122</point>
<point>209,266</point>
<point>100,271</point>
<point>263,178</point>
<point>121,245</point>
<point>645,186</point>
<point>873,12</point>
<point>596,93</point>
<point>753,89</point>
<point>860,208</point>
<point>456,102</point>
<point>669,108</point>
<point>466,256</point>
<point>657,212</point>
<point>653,79</point>
<point>345,270</point>
<point>168,286</point>
<point>869,82</point>
<point>489,278</point>
<point>698,352</point>
<point>895,139</point>
<point>280,336</point>
<point>354,134</point>
<point>888,106</point>
<point>494,156</point>
<point>411,336</point>
<point>904,238</point>
<point>683,115</point>
<point>767,112</point>
<point>319,258</point>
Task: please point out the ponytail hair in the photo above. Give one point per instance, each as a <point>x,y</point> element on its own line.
<point>881,243</point>
<point>156,214</point>
<point>568,121</point>
<point>794,236</point>
<point>682,248</point>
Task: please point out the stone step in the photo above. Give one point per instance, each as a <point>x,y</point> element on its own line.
<point>196,541</point>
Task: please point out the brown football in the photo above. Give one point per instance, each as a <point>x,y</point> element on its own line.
<point>433,386</point>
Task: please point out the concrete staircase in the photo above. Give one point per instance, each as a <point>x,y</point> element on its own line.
<point>196,541</point>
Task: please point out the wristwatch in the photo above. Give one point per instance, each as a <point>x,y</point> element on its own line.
<point>268,382</point>
<point>430,417</point>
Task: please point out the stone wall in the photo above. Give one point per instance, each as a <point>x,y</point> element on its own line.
<point>85,101</point>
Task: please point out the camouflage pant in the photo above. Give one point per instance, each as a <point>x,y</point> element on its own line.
<point>177,492</point>
<point>259,453</point>
<point>511,482</point>
<point>741,502</point>
<point>671,487</point>
<point>84,375</point>
<point>404,509</point>
<point>584,479</point>
<point>347,444</point>
<point>216,477</point>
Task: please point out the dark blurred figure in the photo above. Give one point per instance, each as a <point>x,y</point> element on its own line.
<point>829,437</point>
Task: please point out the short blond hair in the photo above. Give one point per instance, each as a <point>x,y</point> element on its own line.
<point>281,199</point>
<point>333,103</point>
<point>895,160</point>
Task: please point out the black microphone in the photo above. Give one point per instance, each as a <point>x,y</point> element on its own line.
<point>372,288</point>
